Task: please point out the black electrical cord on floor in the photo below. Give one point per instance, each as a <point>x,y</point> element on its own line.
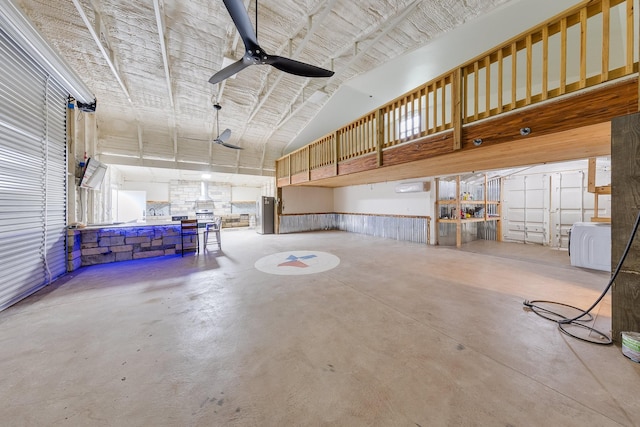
<point>562,321</point>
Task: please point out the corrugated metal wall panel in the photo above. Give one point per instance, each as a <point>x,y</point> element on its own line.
<point>32,176</point>
<point>308,222</point>
<point>56,174</point>
<point>410,229</point>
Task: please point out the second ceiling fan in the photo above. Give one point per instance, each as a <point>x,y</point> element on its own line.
<point>224,136</point>
<point>254,54</point>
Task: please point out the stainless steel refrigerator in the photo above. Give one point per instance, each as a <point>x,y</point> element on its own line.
<point>265,213</point>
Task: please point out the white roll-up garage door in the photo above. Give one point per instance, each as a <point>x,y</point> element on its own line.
<point>32,175</point>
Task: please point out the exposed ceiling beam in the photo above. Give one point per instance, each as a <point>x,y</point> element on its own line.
<point>106,51</point>
<point>313,25</point>
<point>140,144</point>
<point>158,7</point>
<point>168,164</point>
<point>264,152</point>
<point>234,45</point>
<point>379,31</point>
<point>175,143</point>
<point>238,160</point>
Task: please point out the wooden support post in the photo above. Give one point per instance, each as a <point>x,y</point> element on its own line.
<point>596,190</point>
<point>437,210</point>
<point>591,175</point>
<point>458,214</point>
<point>606,39</point>
<point>625,184</point>
<point>486,198</point>
<point>278,210</point>
<point>499,213</point>
<point>308,162</point>
<point>379,136</point>
<point>336,152</point>
<point>428,221</point>
<point>456,105</point>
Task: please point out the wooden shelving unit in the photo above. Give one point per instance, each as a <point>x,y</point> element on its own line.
<point>461,204</point>
<point>597,191</point>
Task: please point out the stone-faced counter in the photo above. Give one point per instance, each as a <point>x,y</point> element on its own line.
<point>123,242</point>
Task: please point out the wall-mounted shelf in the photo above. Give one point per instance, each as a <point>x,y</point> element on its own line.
<point>472,199</point>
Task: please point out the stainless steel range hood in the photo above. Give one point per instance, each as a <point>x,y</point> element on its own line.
<point>204,192</point>
<point>204,203</point>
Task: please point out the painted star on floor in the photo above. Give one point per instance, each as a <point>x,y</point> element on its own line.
<point>294,261</point>
<point>303,262</point>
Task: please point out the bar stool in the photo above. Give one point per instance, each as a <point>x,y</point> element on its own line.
<point>188,229</point>
<point>213,227</point>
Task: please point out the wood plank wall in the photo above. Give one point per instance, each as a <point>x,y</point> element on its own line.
<point>625,190</point>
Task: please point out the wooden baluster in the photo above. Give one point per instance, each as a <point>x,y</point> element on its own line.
<point>545,62</point>
<point>563,56</point>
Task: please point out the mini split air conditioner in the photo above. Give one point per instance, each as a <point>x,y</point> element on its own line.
<point>412,187</point>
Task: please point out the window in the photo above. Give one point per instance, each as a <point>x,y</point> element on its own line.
<point>409,126</point>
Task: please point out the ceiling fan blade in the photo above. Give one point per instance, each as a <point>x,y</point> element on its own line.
<point>224,136</point>
<point>241,19</point>
<point>228,71</point>
<point>298,68</point>
<point>235,147</point>
<point>254,53</point>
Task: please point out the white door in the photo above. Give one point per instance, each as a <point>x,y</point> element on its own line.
<point>542,208</point>
<point>569,196</point>
<point>526,205</point>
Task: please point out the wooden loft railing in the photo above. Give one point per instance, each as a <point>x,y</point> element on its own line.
<point>559,57</point>
<point>586,46</point>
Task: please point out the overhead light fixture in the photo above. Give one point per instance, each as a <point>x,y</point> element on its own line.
<point>23,32</point>
<point>525,131</point>
<point>206,176</point>
<point>477,142</point>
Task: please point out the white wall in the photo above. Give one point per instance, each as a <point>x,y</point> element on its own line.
<point>381,198</point>
<point>130,206</point>
<point>245,194</point>
<point>156,191</point>
<point>269,188</point>
<point>307,200</point>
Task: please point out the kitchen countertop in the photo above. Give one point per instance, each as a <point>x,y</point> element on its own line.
<point>147,223</point>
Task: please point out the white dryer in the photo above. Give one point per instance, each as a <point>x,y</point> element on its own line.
<point>590,245</point>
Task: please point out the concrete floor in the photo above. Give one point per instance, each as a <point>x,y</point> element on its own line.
<point>399,334</point>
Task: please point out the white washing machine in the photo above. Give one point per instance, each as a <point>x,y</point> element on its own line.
<point>590,245</point>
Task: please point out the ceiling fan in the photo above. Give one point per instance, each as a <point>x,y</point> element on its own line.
<point>254,54</point>
<point>226,134</point>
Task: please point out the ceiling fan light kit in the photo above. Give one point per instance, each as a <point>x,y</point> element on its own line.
<point>255,55</point>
